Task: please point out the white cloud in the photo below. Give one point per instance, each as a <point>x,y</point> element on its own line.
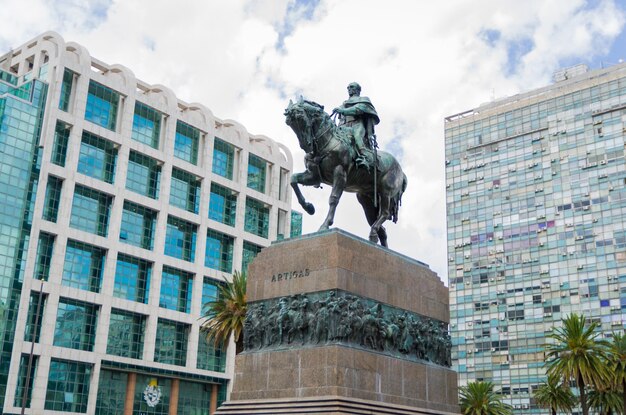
<point>418,61</point>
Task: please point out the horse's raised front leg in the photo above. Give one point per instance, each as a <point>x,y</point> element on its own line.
<point>306,178</point>
<point>339,183</point>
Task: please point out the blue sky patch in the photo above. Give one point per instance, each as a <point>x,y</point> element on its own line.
<point>297,11</point>
<point>490,36</point>
<point>515,51</point>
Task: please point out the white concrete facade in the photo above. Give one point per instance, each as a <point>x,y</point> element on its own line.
<point>51,50</point>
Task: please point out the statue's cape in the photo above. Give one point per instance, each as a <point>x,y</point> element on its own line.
<point>364,105</point>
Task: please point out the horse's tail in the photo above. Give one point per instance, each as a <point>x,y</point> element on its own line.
<point>396,201</point>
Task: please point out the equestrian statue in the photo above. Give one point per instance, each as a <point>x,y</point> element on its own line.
<point>345,157</point>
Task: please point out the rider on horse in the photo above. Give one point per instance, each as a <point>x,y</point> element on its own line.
<point>358,113</point>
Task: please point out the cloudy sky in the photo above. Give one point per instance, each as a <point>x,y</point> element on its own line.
<point>417,60</point>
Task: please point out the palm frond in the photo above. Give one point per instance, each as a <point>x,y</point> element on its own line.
<point>478,398</point>
<point>225,315</point>
<point>555,395</point>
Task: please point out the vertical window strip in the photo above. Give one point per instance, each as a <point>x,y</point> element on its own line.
<point>66,90</point>
<point>185,191</point>
<point>222,205</point>
<point>257,218</point>
<point>186,142</point>
<point>223,158</point>
<point>219,251</point>
<point>21,380</point>
<point>45,250</point>
<point>34,318</point>
<point>146,125</point>
<point>53,199</point>
<point>296,224</point>
<point>256,173</point>
<point>61,140</point>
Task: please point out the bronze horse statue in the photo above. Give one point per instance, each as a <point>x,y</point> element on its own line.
<point>330,159</point>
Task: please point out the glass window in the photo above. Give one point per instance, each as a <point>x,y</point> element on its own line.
<point>66,90</point>
<point>45,249</point>
<point>76,325</point>
<point>112,392</point>
<point>283,185</point>
<point>171,342</point>
<point>146,125</point>
<point>61,140</point>
<point>126,334</point>
<point>68,386</point>
<point>210,357</point>
<point>219,251</point>
<point>256,173</point>
<point>210,292</point>
<point>180,239</point>
<point>53,198</point>
<point>102,105</point>
<point>143,175</point>
<point>137,227</point>
<point>43,71</point>
<point>250,251</point>
<point>185,191</point>
<point>176,289</point>
<point>90,211</point>
<point>34,318</point>
<point>97,157</point>
<point>281,224</point>
<point>196,399</point>
<point>21,380</point>
<point>257,218</point>
<point>186,142</point>
<point>296,224</point>
<point>83,267</point>
<point>222,205</point>
<point>132,279</point>
<point>223,158</point>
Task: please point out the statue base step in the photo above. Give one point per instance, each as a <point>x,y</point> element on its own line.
<point>322,405</point>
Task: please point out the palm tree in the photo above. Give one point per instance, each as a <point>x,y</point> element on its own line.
<point>577,355</point>
<point>227,313</point>
<point>478,398</point>
<point>617,363</point>
<point>555,395</point>
<point>605,401</point>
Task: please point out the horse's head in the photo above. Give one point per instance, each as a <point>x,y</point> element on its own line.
<point>305,118</point>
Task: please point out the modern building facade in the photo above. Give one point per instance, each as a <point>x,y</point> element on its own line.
<point>536,206</point>
<point>122,209</point>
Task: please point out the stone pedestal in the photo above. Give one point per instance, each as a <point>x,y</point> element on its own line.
<point>327,368</point>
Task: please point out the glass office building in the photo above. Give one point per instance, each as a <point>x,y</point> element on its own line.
<point>122,209</point>
<point>536,206</point>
